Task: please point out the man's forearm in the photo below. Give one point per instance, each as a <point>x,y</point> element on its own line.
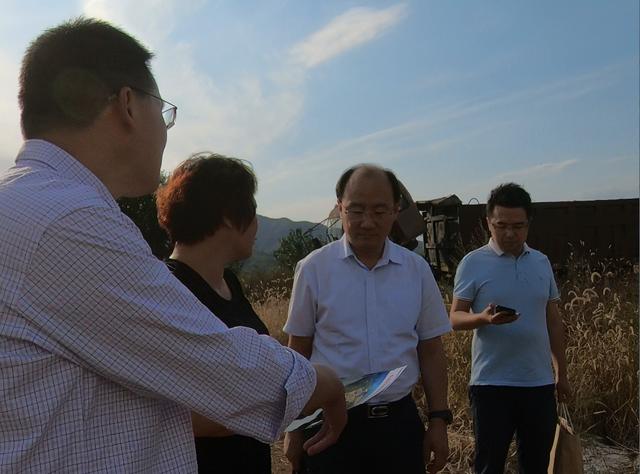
<point>464,320</point>
<point>433,368</point>
<point>557,343</point>
<point>302,345</point>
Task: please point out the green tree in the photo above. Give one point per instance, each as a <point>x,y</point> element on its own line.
<point>293,248</point>
<point>142,211</point>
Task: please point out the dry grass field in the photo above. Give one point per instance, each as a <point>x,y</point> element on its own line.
<point>600,311</point>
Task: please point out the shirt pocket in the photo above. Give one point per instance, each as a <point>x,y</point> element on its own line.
<point>400,310</point>
<point>536,283</point>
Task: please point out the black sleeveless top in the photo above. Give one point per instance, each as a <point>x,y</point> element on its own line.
<point>230,454</point>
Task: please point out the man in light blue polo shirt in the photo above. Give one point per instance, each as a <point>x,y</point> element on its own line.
<point>514,353</point>
<point>362,305</point>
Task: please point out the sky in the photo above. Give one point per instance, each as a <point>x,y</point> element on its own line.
<point>455,97</point>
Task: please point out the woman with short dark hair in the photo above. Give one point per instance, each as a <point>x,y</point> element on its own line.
<point>208,209</point>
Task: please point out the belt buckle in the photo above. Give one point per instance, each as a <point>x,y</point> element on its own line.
<point>378,411</point>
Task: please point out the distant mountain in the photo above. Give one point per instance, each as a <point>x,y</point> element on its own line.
<point>270,232</point>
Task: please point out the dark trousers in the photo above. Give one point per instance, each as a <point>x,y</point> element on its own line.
<point>499,412</point>
<point>389,444</point>
<point>232,455</point>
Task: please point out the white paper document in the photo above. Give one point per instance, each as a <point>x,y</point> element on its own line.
<point>356,393</point>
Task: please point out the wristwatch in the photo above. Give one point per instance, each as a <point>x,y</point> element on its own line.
<point>445,415</point>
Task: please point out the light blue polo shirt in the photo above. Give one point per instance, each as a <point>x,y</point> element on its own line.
<point>519,353</point>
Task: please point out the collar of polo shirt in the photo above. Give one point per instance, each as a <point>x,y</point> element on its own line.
<point>494,246</point>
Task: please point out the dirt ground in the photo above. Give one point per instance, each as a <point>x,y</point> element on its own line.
<point>598,457</point>
<point>279,464</point>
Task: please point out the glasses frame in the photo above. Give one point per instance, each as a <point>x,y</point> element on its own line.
<point>358,215</point>
<point>517,227</point>
<point>169,110</point>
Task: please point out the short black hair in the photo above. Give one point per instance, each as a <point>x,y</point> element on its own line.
<point>70,71</point>
<point>393,180</point>
<point>509,195</point>
<point>201,192</point>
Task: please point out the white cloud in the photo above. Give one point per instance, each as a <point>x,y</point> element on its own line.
<point>410,138</point>
<point>545,181</point>
<point>345,32</point>
<point>151,21</point>
<point>239,118</point>
<point>537,171</point>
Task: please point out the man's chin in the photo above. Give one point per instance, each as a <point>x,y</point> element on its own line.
<point>368,238</point>
<point>513,249</point>
<point>368,242</point>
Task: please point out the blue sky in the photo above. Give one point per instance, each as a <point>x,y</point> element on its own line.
<point>455,97</point>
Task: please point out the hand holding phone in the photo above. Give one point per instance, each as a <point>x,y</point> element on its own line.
<point>503,315</point>
<point>504,309</point>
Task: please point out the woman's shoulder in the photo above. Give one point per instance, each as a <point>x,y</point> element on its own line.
<point>230,276</point>
<point>233,282</point>
<point>180,270</point>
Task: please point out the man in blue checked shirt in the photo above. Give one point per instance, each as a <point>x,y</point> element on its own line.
<point>104,354</point>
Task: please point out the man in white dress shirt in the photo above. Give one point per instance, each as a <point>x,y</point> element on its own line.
<point>103,353</point>
<point>362,305</point>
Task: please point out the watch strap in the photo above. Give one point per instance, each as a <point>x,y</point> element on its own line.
<point>445,415</point>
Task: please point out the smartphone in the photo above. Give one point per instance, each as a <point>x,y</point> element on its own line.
<point>505,309</point>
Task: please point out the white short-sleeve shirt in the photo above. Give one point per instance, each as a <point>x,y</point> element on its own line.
<point>364,321</point>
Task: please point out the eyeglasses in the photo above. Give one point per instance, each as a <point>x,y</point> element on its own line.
<point>517,227</point>
<point>169,111</point>
<point>358,215</point>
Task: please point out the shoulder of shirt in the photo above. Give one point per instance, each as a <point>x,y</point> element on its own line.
<point>55,192</point>
<point>42,200</point>
<point>538,255</point>
<point>407,255</point>
<point>480,252</point>
<point>328,251</point>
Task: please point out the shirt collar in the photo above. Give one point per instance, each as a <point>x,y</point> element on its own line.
<point>499,252</point>
<point>54,157</point>
<point>390,253</point>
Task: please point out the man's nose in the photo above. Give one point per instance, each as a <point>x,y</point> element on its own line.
<point>367,221</point>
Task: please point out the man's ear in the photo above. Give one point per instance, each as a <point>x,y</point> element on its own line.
<point>126,106</point>
<point>227,223</point>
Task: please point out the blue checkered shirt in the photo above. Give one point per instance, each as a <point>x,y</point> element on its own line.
<point>103,353</point>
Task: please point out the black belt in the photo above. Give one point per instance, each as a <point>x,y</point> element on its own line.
<point>381,410</point>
